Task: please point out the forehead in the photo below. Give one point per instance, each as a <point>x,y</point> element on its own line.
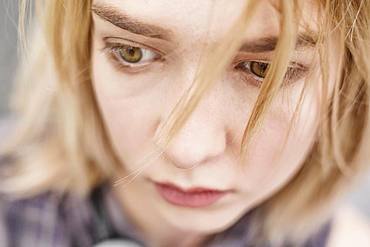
<point>196,20</point>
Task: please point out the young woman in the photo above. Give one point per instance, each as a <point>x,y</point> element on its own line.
<point>187,123</point>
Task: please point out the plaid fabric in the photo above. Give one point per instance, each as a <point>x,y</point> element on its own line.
<point>46,220</point>
<point>54,220</point>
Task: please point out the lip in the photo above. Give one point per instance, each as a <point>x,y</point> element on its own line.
<point>195,197</point>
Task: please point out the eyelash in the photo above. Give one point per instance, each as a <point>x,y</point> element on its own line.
<point>112,51</point>
<point>294,72</point>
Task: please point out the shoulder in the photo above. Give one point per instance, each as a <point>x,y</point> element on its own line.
<point>349,228</point>
<point>33,219</point>
<point>45,218</point>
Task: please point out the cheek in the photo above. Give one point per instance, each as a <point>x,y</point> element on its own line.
<point>130,115</point>
<point>129,127</point>
<point>274,156</point>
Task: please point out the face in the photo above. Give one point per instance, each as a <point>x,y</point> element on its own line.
<point>145,55</point>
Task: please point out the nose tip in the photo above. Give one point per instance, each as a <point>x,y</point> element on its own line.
<point>190,149</point>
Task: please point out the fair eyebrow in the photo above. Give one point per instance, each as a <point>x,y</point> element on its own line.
<point>126,22</point>
<point>268,44</point>
<point>123,21</point>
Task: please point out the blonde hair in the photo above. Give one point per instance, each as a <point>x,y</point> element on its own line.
<point>60,141</point>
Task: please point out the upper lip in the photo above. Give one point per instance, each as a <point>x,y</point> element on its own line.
<point>191,189</point>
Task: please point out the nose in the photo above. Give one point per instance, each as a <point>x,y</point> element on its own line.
<point>202,138</point>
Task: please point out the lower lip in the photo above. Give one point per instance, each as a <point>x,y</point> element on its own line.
<point>194,199</point>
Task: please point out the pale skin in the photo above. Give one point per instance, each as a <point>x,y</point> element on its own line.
<point>135,98</point>
<point>350,228</point>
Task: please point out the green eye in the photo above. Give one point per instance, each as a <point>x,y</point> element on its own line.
<point>255,71</point>
<point>130,54</point>
<point>259,68</point>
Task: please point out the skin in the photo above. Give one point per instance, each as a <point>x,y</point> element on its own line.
<point>350,228</point>
<point>134,102</point>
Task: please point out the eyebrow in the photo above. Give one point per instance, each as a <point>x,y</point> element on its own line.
<point>266,44</point>
<point>123,21</point>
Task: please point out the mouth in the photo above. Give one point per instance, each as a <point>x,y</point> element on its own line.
<point>195,197</point>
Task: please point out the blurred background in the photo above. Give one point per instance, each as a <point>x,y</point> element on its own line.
<point>8,49</point>
<point>359,197</point>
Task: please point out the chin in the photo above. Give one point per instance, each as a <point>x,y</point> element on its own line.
<point>206,222</point>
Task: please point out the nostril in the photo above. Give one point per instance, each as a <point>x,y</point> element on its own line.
<point>179,158</point>
<point>186,154</point>
<point>182,165</point>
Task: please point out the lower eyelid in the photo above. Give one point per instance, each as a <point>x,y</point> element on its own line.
<point>114,53</point>
<point>127,69</point>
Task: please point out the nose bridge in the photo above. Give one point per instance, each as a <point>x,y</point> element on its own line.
<point>203,136</point>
